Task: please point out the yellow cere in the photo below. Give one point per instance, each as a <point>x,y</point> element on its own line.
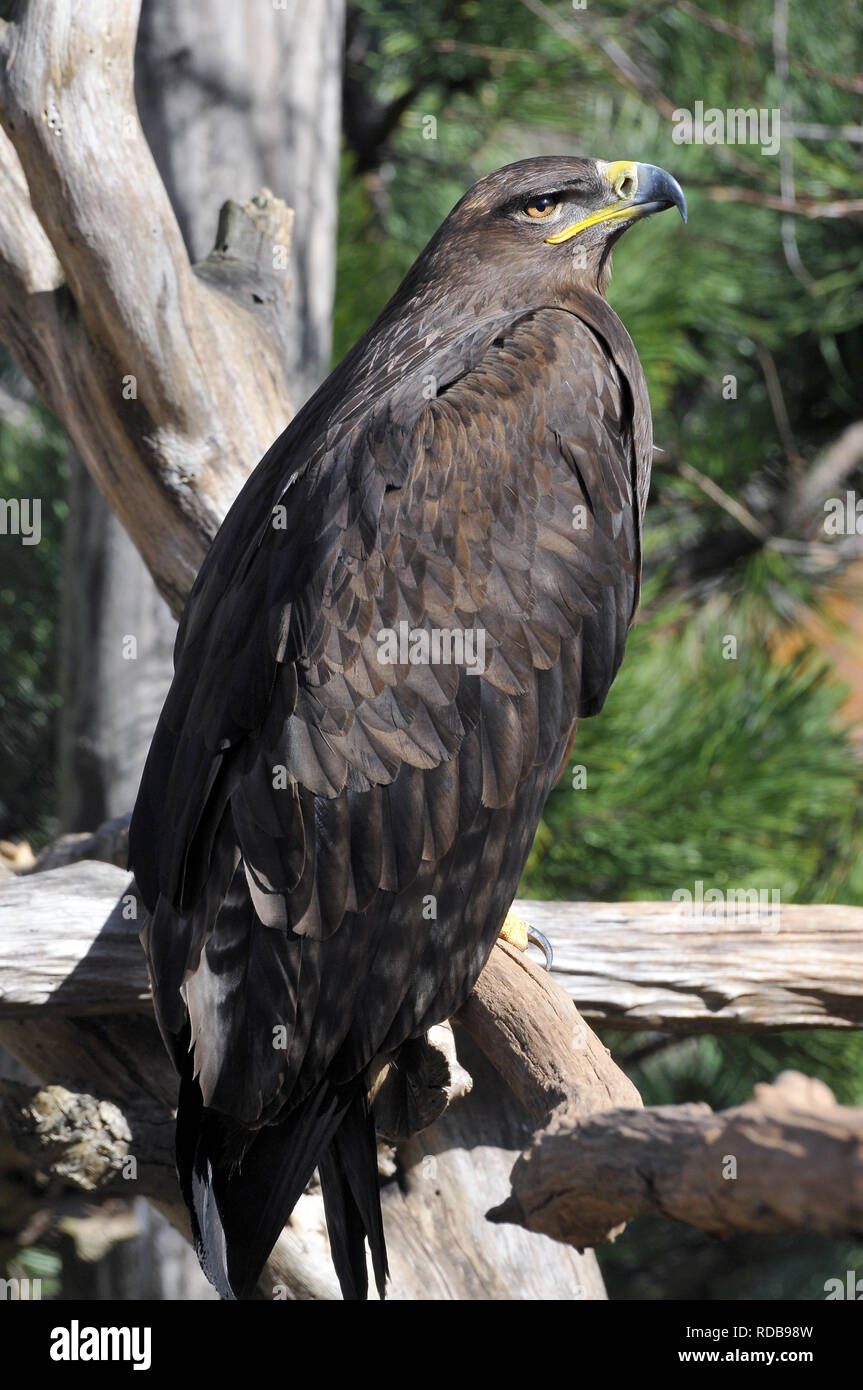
<point>619,173</point>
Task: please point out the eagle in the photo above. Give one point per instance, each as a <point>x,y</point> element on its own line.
<point>424,585</point>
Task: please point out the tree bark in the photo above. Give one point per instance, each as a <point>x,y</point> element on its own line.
<point>236,97</point>
<point>789,1159</point>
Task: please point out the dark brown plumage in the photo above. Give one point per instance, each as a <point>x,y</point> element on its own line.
<point>478,463</point>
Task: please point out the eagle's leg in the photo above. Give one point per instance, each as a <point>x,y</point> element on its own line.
<point>521,935</point>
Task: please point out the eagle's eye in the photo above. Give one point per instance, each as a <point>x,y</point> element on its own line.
<point>540,208</point>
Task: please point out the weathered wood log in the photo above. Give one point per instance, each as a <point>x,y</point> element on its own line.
<point>789,1159</point>
<point>734,965</point>
<point>61,951</point>
<point>534,1038</point>
<point>435,1206</point>
<point>66,946</point>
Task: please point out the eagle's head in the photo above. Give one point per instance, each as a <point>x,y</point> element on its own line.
<point>556,216</point>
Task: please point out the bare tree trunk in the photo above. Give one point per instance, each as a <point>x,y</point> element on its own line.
<point>117,637</point>
<point>240,96</point>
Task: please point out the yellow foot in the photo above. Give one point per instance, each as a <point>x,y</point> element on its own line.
<point>521,935</point>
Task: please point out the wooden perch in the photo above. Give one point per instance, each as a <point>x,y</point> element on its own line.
<point>66,946</point>
<point>533,1036</point>
<point>789,1159</point>
<point>80,1144</point>
<point>170,382</point>
<point>649,966</point>
<point>69,944</point>
<point>62,953</point>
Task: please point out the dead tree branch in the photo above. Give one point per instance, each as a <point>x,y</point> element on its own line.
<point>168,379</point>
<point>736,965</point>
<point>789,1159</point>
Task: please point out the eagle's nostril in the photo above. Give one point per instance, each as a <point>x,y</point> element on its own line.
<point>627,186</point>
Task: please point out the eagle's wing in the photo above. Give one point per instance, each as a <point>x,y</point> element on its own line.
<point>493,491</point>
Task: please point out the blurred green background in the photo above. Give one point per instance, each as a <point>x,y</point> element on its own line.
<point>742,771</point>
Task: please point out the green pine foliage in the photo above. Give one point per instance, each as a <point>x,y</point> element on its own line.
<point>733,770</point>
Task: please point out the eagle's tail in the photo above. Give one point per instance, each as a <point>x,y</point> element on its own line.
<point>241,1186</point>
<point>352,1200</point>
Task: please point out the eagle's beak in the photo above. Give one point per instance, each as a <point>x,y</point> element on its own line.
<point>636,191</point>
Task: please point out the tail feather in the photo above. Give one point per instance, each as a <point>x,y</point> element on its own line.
<point>345,1229</point>
<point>349,1181</point>
<point>241,1186</point>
